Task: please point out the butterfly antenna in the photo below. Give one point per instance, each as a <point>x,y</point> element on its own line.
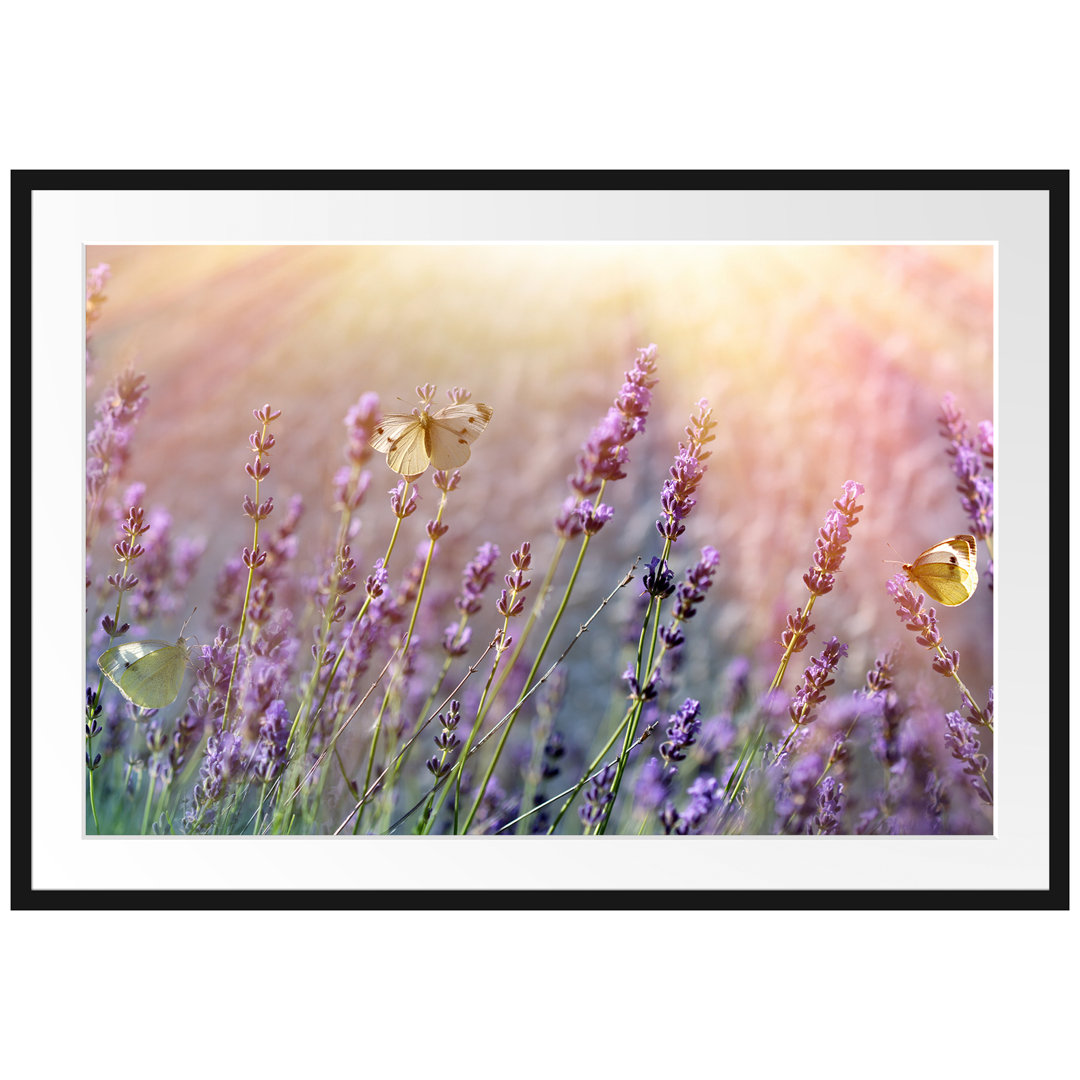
<point>899,562</point>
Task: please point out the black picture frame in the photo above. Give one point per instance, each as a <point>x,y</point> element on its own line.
<point>29,697</point>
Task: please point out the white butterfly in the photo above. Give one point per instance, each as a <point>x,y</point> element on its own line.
<point>148,673</point>
<point>947,571</point>
<point>412,441</point>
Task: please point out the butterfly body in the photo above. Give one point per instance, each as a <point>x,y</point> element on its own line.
<point>946,572</point>
<point>148,673</point>
<point>412,441</point>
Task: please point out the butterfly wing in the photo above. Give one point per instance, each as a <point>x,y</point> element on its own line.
<point>408,454</point>
<point>452,429</point>
<point>390,429</point>
<point>148,673</point>
<point>402,438</point>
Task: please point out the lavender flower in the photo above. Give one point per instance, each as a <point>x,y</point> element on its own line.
<point>810,693</point>
<point>658,578</point>
<point>689,594</point>
<point>95,297</point>
<point>676,498</point>
<point>924,625</point>
<point>456,638</point>
<point>880,676</point>
<point>594,518</point>
<point>830,804</point>
<point>568,520</point>
<point>266,676</point>
<point>402,501</point>
<point>186,735</point>
<point>477,577</point>
<point>446,481</point>
<point>165,568</point>
<point>336,584</point>
<point>830,547</point>
<point>603,455</point>
<point>108,442</point>
<point>654,784</point>
<point>885,743</point>
<point>96,279</point>
<point>796,791</point>
<point>93,728</point>
<point>376,581</point>
<point>604,452</point>
<point>554,750</point>
<point>717,735</point>
<point>597,796</point>
<point>962,741</point>
<point>223,761</point>
<point>269,755</point>
<point>581,516</point>
<point>683,727</point>
<point>207,701</point>
<point>360,423</point>
<point>909,609</point>
<point>699,579</point>
<point>361,641</point>
<point>833,538</point>
<point>351,481</point>
<point>446,741</point>
<point>638,692</point>
<point>976,488</point>
<point>986,442</point>
<point>513,602</point>
<point>937,802</point>
<point>976,491</point>
<point>705,795</point>
<point>719,732</point>
<point>128,550</point>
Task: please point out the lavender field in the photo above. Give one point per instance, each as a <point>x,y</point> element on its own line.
<point>642,577</point>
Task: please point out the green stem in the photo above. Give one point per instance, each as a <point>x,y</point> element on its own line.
<point>521,700</point>
<point>251,571</point>
<point>281,781</point>
<point>309,692</point>
<point>751,747</point>
<point>592,771</point>
<point>404,660</point>
<point>149,799</point>
<point>789,651</point>
<point>631,727</point>
<point>90,769</point>
<point>304,724</point>
<point>981,718</point>
<point>528,681</point>
<point>126,561</point>
<point>259,811</point>
<point>534,769</point>
<point>474,731</point>
<point>537,607</point>
<point>644,676</point>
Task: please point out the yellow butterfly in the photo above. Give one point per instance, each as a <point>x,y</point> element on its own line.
<point>412,441</point>
<point>946,572</point>
<point>148,673</point>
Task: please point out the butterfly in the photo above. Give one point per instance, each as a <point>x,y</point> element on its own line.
<point>412,441</point>
<point>946,572</point>
<point>148,673</point>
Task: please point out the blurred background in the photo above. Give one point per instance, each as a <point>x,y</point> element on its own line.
<point>822,363</point>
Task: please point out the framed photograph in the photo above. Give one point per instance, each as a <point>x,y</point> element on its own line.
<point>605,539</point>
